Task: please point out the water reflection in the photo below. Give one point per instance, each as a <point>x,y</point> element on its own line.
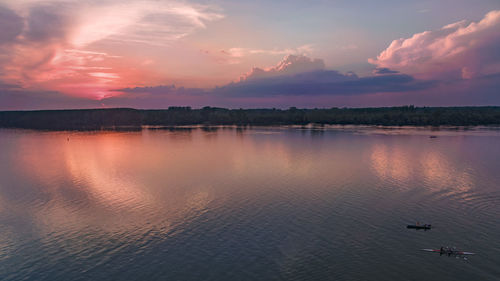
<point>98,167</point>
<point>440,171</point>
<point>391,163</point>
<point>436,169</point>
<point>442,174</point>
<point>309,200</point>
<point>105,180</point>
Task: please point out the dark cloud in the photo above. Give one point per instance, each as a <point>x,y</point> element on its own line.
<point>325,82</point>
<point>384,70</point>
<point>163,90</point>
<point>46,22</point>
<point>11,25</point>
<point>8,87</point>
<point>160,97</point>
<point>303,76</point>
<point>321,82</point>
<point>15,98</point>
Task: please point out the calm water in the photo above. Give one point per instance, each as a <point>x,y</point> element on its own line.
<point>256,204</point>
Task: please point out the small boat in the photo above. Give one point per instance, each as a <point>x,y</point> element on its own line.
<point>419,226</point>
<point>448,251</point>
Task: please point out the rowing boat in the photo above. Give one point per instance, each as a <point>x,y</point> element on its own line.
<point>448,251</point>
<point>418,226</point>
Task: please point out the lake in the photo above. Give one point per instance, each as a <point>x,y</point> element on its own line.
<point>269,203</point>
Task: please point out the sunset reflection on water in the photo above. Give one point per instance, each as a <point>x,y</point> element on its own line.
<point>180,198</point>
<point>391,163</point>
<point>439,171</point>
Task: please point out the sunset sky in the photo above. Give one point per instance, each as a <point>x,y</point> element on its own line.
<point>154,54</point>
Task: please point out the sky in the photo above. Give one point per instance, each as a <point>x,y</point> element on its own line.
<point>57,54</point>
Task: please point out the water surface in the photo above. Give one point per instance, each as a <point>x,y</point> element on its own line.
<point>289,203</point>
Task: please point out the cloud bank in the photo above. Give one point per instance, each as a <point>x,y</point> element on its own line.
<point>296,76</point>
<point>459,50</point>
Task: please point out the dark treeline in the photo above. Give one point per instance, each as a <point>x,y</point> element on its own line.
<point>96,119</point>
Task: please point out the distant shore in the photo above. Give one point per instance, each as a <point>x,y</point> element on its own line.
<point>98,119</point>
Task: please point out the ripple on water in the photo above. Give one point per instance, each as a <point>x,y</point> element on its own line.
<point>254,206</point>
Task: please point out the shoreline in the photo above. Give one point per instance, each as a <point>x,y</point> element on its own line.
<point>138,119</point>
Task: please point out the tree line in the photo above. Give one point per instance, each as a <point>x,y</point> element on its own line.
<point>116,118</point>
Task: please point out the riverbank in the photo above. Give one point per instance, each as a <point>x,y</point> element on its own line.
<point>96,119</point>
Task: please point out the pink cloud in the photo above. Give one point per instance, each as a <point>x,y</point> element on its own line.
<point>290,65</point>
<point>46,44</point>
<point>462,49</point>
<point>243,52</point>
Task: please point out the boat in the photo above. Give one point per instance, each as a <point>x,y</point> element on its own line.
<point>419,226</point>
<point>448,251</point>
